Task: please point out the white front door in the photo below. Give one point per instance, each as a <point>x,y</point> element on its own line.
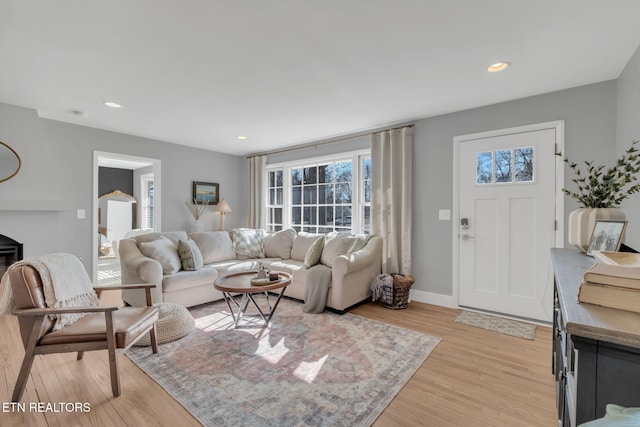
<point>507,220</point>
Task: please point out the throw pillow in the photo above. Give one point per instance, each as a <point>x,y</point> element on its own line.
<point>248,242</point>
<point>165,252</point>
<point>279,244</point>
<point>215,246</point>
<point>313,254</point>
<point>174,236</point>
<point>334,246</point>
<point>190,255</point>
<point>302,243</point>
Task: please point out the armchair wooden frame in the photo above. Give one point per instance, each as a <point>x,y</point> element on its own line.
<point>32,348</point>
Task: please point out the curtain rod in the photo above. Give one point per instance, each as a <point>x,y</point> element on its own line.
<point>329,141</point>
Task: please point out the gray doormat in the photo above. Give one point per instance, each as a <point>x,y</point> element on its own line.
<point>497,324</point>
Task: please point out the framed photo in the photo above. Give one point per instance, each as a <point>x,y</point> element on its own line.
<point>206,191</point>
<point>607,236</point>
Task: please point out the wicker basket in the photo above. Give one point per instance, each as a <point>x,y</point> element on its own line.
<point>401,287</point>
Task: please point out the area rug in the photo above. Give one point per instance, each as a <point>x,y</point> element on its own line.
<point>304,369</point>
<point>109,271</point>
<point>498,324</point>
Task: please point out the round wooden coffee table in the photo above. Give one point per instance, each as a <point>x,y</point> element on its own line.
<point>240,284</point>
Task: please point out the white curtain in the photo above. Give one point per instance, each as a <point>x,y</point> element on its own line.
<point>257,212</point>
<point>391,197</point>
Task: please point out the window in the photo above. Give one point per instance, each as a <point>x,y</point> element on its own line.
<point>146,208</point>
<point>275,189</point>
<point>320,196</point>
<point>505,166</point>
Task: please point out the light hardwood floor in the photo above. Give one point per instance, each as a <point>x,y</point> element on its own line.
<point>473,377</point>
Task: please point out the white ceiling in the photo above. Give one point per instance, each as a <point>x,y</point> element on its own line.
<point>285,72</point>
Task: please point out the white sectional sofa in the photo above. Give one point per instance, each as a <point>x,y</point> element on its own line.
<point>154,258</point>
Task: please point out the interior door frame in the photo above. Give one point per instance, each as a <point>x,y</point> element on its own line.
<point>97,155</point>
<point>558,125</point>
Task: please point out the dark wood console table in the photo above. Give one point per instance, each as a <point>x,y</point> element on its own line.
<point>596,350</point>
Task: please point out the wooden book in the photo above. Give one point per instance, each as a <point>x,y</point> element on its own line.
<point>614,275</point>
<point>610,296</point>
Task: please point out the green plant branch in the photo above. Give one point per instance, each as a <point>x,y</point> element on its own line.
<point>600,188</point>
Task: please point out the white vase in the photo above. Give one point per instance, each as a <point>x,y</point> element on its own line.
<point>582,222</point>
<point>197,226</point>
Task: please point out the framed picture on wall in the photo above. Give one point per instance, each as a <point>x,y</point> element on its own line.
<point>206,191</point>
<point>607,236</point>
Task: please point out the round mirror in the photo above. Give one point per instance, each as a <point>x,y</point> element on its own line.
<point>9,162</point>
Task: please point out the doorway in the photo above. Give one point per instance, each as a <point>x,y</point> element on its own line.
<point>509,213</point>
<point>142,183</point>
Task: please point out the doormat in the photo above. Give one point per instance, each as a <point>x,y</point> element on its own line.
<point>304,369</point>
<point>497,324</point>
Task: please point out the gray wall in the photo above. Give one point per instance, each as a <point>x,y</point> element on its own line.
<point>589,113</point>
<point>628,131</point>
<point>38,206</point>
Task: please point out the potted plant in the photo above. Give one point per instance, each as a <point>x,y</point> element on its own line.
<point>599,193</point>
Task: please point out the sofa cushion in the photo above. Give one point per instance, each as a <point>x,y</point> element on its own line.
<point>165,252</point>
<point>302,244</point>
<point>190,279</point>
<point>215,246</point>
<point>279,244</point>
<point>248,242</point>
<point>190,255</point>
<point>335,245</point>
<point>314,253</point>
<point>174,236</point>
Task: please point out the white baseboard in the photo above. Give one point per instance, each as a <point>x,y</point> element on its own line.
<point>433,298</point>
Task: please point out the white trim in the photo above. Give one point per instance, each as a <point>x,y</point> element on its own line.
<point>157,196</point>
<point>432,298</point>
<point>558,126</point>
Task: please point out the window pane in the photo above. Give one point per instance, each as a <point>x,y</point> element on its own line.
<point>310,229</point>
<point>325,229</point>
<point>296,216</point>
<point>309,216</point>
<point>296,176</point>
<point>325,194</point>
<point>484,168</point>
<point>367,219</point>
<point>272,197</point>
<point>367,191</point>
<point>296,195</point>
<point>524,164</point>
<point>343,172</point>
<point>367,169</point>
<point>277,228</point>
<point>503,166</point>
<point>310,195</point>
<point>278,178</point>
<point>277,216</point>
<point>279,196</point>
<point>272,180</point>
<point>325,215</point>
<point>343,216</point>
<point>343,193</point>
<point>325,173</point>
<point>310,175</point>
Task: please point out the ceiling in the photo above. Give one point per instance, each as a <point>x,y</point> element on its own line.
<point>287,72</point>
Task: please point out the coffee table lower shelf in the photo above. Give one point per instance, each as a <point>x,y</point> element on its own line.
<point>238,285</point>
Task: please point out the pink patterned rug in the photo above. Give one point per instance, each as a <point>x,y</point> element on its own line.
<point>305,369</point>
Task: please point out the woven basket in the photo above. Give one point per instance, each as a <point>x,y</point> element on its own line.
<point>401,287</point>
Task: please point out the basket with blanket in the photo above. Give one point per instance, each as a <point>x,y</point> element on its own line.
<point>392,290</point>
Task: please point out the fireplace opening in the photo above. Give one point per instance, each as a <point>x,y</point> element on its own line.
<point>10,252</point>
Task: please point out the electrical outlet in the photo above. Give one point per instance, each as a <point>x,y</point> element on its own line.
<point>81,214</point>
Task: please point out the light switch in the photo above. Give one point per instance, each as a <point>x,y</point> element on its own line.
<point>81,214</point>
<point>444,214</point>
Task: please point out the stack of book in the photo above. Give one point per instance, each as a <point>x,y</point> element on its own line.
<point>611,286</point>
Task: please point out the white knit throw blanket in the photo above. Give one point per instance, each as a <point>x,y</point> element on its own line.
<point>65,284</point>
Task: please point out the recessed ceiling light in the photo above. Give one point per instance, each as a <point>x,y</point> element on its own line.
<point>241,137</point>
<point>498,66</point>
<point>112,104</point>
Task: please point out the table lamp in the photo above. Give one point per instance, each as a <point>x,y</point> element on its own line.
<point>223,208</point>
